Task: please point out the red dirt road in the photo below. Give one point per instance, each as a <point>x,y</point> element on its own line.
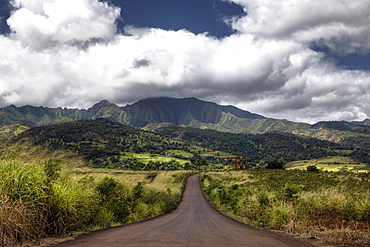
<point>194,223</point>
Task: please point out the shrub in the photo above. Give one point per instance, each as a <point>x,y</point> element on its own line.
<point>138,191</point>
<point>263,199</point>
<point>113,199</point>
<point>278,216</point>
<point>223,196</point>
<point>275,165</point>
<point>313,169</point>
<point>289,191</point>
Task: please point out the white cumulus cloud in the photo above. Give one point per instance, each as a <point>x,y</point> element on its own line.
<point>338,24</point>
<point>42,24</point>
<point>68,53</point>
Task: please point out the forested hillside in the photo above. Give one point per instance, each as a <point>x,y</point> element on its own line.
<point>260,147</point>
<point>104,143</point>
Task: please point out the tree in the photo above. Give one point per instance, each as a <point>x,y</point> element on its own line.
<point>312,169</point>
<point>275,165</point>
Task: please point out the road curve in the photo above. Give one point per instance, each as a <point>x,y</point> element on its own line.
<point>194,223</point>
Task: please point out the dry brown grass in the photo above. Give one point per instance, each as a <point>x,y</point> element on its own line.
<point>332,232</point>
<point>17,223</point>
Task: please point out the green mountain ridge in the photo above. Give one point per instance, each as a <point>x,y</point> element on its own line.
<point>190,112</point>
<point>187,111</point>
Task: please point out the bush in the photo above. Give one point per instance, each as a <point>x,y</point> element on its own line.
<point>275,165</point>
<point>278,216</point>
<point>112,198</point>
<point>290,190</point>
<point>263,199</point>
<point>312,169</point>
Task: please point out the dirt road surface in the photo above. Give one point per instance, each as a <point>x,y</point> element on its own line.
<point>194,223</point>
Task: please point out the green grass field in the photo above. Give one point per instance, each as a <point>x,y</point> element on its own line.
<point>202,153</point>
<point>331,163</point>
<point>180,153</point>
<point>162,180</point>
<point>146,157</point>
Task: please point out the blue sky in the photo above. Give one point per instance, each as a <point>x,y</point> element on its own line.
<point>205,16</point>
<point>306,61</point>
<point>194,15</point>
<point>197,16</point>
<point>4,14</point>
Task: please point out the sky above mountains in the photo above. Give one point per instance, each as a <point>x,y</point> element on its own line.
<point>304,60</point>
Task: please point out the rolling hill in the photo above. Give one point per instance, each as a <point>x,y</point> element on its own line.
<point>257,147</point>
<point>105,143</point>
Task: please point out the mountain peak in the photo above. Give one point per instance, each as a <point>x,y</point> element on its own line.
<point>179,111</point>
<point>182,111</point>
<point>104,102</point>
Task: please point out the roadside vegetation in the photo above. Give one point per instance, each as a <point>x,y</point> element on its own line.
<point>331,207</point>
<point>50,197</point>
<point>84,175</point>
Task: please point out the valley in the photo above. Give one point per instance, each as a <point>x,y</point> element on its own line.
<point>70,171</point>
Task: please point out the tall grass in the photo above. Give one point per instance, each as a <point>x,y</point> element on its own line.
<point>296,201</point>
<point>17,222</point>
<point>40,200</point>
<point>22,195</point>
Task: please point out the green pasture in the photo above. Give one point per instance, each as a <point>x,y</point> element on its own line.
<point>217,154</point>
<point>180,153</point>
<point>331,163</point>
<point>202,153</point>
<point>147,157</point>
<point>153,179</point>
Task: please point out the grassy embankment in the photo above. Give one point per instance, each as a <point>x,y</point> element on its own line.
<point>327,206</point>
<point>44,195</point>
